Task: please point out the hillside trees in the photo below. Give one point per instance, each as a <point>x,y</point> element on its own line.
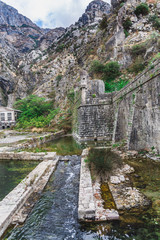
<point>36,112</point>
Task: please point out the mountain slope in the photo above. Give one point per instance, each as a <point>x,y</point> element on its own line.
<point>49,64</point>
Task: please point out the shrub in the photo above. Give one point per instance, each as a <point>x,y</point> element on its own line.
<point>142,9</point>
<point>36,112</point>
<point>122,4</point>
<point>137,66</point>
<point>126,33</point>
<point>127,24</point>
<point>96,67</point>
<point>116,85</point>
<point>138,49</point>
<point>103,23</point>
<point>60,48</point>
<point>155,21</point>
<point>111,71</point>
<point>103,159</point>
<point>71,95</point>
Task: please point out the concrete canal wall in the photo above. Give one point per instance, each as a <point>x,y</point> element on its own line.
<point>15,200</point>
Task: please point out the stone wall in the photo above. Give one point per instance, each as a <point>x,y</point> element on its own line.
<point>95,114</point>
<point>137,111</point>
<point>96,122</point>
<point>132,114</point>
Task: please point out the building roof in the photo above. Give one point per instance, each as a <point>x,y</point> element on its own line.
<point>8,109</point>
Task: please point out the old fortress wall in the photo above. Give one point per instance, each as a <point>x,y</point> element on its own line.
<point>132,114</point>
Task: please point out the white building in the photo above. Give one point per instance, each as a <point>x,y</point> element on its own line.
<point>8,117</point>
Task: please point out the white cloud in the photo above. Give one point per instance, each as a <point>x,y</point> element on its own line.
<point>51,13</point>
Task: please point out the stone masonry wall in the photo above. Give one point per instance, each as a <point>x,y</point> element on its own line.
<point>137,111</point>
<point>132,114</point>
<point>96,122</point>
<point>95,114</point>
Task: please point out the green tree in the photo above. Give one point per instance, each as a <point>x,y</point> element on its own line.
<point>96,67</point>
<point>35,112</point>
<point>111,71</point>
<point>142,9</point>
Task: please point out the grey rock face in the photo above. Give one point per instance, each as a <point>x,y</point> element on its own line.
<point>22,33</point>
<point>115,3</point>
<point>94,12</point>
<point>10,16</point>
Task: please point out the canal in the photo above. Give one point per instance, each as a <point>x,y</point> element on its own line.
<point>54,217</point>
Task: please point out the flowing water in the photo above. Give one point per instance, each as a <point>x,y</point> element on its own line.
<point>11,173</point>
<point>55,217</point>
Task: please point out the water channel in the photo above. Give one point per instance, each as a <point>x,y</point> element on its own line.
<point>54,216</point>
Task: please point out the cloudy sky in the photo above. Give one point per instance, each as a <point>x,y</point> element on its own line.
<point>51,13</point>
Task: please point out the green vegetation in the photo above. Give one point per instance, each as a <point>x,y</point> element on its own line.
<point>33,36</point>
<point>127,25</point>
<point>122,4</point>
<point>96,67</point>
<point>126,33</point>
<point>116,85</point>
<point>138,49</point>
<point>71,95</point>
<point>142,9</point>
<point>103,23</point>
<point>155,20</point>
<point>109,71</point>
<point>60,48</point>
<point>58,79</point>
<point>137,66</point>
<point>36,112</point>
<point>157,56</point>
<point>103,159</point>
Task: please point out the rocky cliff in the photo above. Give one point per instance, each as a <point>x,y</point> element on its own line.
<point>48,62</point>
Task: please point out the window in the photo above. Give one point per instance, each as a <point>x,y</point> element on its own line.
<point>9,115</point>
<point>2,115</point>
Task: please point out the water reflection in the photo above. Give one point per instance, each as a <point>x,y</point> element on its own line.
<point>11,173</point>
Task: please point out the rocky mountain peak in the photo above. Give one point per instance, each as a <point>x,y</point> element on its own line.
<point>10,16</point>
<point>94,12</point>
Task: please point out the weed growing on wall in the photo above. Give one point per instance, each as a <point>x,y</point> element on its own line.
<point>103,159</point>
